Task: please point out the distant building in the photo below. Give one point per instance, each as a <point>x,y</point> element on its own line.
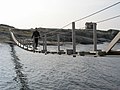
<point>88,25</point>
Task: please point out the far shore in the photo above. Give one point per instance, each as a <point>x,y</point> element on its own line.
<point>83,36</point>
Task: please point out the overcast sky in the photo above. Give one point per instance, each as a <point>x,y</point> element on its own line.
<point>57,13</point>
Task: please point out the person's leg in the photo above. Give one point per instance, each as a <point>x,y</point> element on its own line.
<point>36,42</point>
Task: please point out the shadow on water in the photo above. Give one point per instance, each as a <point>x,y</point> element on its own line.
<point>20,77</point>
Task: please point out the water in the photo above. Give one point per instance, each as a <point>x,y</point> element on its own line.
<point>23,70</point>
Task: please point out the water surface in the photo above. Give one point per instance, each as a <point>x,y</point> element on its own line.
<point>23,70</point>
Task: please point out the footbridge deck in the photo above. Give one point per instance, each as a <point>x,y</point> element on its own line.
<point>69,51</point>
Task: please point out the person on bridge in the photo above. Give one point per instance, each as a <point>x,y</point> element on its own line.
<point>35,37</point>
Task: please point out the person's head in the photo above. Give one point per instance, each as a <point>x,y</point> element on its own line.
<point>36,29</point>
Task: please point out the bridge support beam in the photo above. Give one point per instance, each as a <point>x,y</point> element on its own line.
<point>27,44</point>
<point>20,42</point>
<point>73,39</point>
<point>23,43</point>
<point>45,43</point>
<point>94,37</point>
<point>58,39</point>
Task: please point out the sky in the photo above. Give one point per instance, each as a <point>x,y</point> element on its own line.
<point>26,14</point>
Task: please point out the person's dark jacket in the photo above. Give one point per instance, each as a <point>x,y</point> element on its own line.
<point>36,34</point>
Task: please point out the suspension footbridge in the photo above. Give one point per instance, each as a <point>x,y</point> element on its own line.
<point>73,51</point>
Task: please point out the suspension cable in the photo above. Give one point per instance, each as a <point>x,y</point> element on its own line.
<point>108,19</point>
<point>86,16</point>
<point>97,12</point>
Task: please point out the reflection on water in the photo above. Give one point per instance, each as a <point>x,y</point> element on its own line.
<point>36,71</point>
<point>7,73</point>
<point>22,79</point>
